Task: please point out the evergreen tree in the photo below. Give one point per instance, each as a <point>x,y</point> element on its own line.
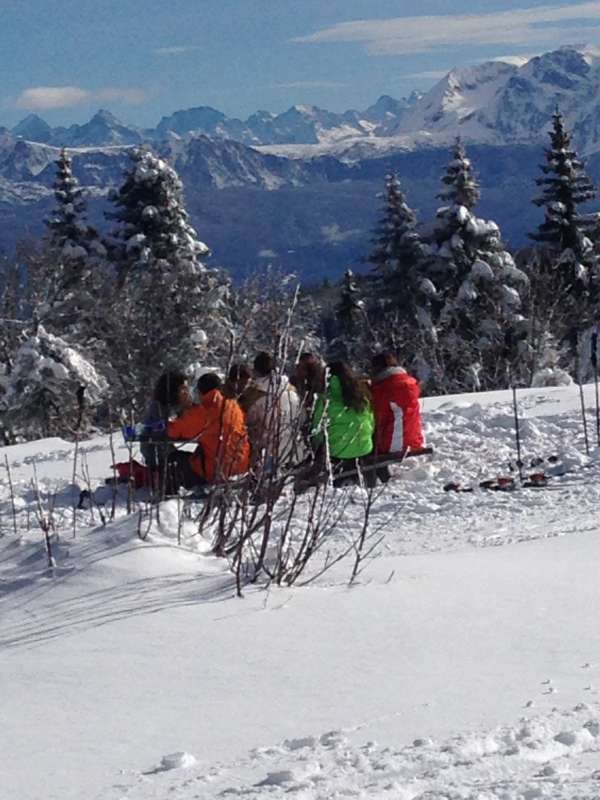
<point>350,310</point>
<point>43,391</point>
<point>347,332</point>
<point>396,241</point>
<point>12,313</point>
<point>460,185</point>
<point>172,307</point>
<point>402,294</point>
<point>565,275</point>
<point>66,278</point>
<point>565,186</point>
<point>480,285</point>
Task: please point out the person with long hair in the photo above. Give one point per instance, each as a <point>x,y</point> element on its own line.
<point>308,379</point>
<point>343,420</point>
<point>171,395</point>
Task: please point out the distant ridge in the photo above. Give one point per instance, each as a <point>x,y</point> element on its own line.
<point>494,102</point>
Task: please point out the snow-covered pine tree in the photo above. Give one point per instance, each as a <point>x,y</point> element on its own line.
<point>566,281</point>
<point>12,313</point>
<point>460,184</point>
<point>565,186</point>
<point>41,397</point>
<point>70,273</point>
<point>345,327</point>
<point>401,293</point>
<point>480,285</point>
<point>172,306</point>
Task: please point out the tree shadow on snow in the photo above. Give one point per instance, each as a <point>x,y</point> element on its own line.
<point>133,598</point>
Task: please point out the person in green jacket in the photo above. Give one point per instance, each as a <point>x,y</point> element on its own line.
<point>344,414</point>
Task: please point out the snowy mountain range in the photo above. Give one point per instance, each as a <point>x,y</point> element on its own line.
<point>299,188</point>
<point>494,102</point>
<point>298,125</point>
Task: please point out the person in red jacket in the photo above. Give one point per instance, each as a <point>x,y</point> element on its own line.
<point>397,411</point>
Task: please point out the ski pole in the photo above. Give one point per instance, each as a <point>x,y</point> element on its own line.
<point>517,432</point>
<point>585,427</point>
<point>581,398</point>
<point>509,346</point>
<point>595,366</point>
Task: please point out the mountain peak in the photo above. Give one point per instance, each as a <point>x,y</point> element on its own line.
<point>199,118</point>
<point>31,118</point>
<point>304,110</point>
<point>33,127</point>
<point>105,117</point>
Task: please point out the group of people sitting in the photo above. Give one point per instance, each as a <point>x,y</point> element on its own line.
<point>260,420</point>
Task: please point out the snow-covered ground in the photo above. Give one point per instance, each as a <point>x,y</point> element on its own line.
<point>464,664</point>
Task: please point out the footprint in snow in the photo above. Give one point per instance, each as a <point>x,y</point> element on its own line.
<point>278,778</point>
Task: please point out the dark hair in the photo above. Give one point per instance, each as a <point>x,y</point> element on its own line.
<point>381,361</point>
<point>355,393</point>
<point>239,373</point>
<point>309,373</point>
<point>208,382</point>
<point>168,386</point>
<point>264,364</point>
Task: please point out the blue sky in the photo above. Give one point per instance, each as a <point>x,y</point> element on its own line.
<point>64,59</point>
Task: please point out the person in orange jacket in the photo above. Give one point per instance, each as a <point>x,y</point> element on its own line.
<point>217,424</point>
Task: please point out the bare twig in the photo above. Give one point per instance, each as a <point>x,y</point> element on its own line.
<point>44,520</point>
<point>12,495</point>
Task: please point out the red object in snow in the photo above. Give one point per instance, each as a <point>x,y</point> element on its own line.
<point>134,472</point>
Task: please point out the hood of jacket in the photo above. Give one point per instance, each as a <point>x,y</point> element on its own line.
<point>278,382</point>
<point>212,398</point>
<point>389,372</point>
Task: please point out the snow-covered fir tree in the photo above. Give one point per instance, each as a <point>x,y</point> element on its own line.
<point>480,285</point>
<point>347,330</point>
<point>48,386</point>
<point>172,307</point>
<point>460,186</point>
<point>565,275</point>
<point>401,293</point>
<point>565,186</point>
<point>344,327</point>
<point>70,265</point>
<point>13,310</point>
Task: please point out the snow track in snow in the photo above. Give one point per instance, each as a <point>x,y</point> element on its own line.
<point>550,756</point>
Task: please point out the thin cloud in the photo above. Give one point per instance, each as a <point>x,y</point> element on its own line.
<point>176,50</point>
<point>44,98</point>
<point>41,98</point>
<point>542,26</point>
